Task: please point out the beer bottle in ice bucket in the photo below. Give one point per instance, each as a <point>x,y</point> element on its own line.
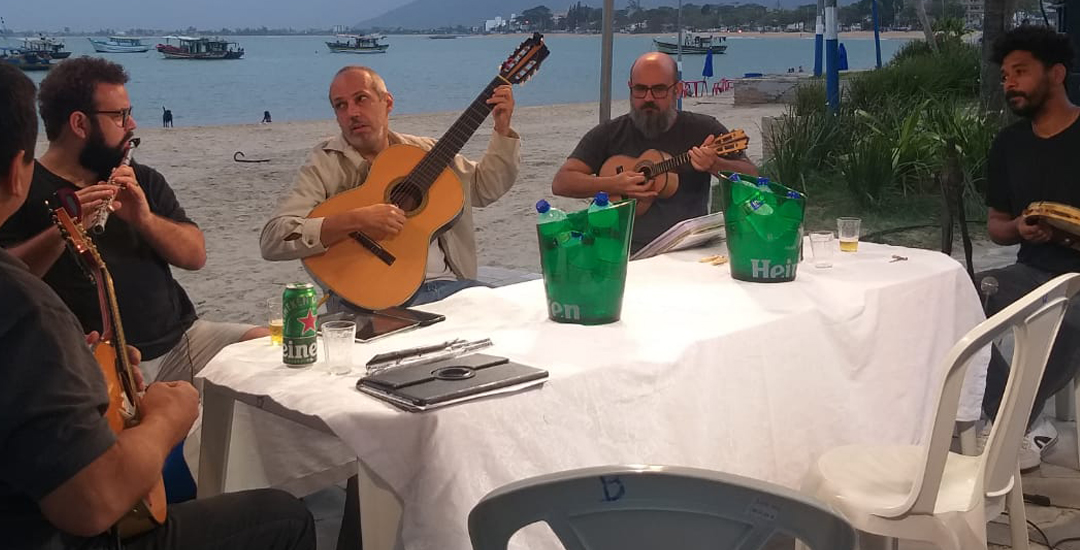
<point>606,240</point>
<point>764,229</point>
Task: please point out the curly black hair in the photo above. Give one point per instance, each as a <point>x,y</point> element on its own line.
<point>1047,45</point>
<point>70,86</point>
<point>18,119</point>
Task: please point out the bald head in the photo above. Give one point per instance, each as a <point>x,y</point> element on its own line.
<point>652,63</point>
<point>375,82</point>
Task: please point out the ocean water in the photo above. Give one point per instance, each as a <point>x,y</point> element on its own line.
<point>290,75</point>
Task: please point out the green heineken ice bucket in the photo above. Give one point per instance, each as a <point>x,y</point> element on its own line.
<point>583,259</point>
<point>764,224</point>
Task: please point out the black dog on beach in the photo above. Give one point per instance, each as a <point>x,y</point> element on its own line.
<point>166,118</point>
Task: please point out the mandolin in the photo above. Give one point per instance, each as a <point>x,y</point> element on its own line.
<point>380,274</point>
<point>658,166</point>
<point>123,410</point>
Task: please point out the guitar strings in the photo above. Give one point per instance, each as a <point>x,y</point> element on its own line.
<point>436,160</point>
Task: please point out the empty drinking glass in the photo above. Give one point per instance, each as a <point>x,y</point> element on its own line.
<point>338,339</point>
<point>822,244</point>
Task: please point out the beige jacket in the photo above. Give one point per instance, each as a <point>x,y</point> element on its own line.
<point>334,166</point>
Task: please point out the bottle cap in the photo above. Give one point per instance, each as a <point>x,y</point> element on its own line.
<point>542,206</point>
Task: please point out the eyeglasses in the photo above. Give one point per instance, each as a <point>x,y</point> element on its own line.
<point>124,115</point>
<point>660,91</point>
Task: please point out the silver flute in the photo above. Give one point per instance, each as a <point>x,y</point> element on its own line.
<point>102,214</point>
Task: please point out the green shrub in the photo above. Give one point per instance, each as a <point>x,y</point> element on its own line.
<point>802,147</point>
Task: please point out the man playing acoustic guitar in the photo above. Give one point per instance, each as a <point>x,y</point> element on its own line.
<point>65,477</point>
<point>653,123</point>
<point>1034,160</point>
<point>362,105</point>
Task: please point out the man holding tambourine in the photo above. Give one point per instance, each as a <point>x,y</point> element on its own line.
<point>1033,194</point>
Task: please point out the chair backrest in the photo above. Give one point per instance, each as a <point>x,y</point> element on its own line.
<point>1034,320</point>
<point>653,507</point>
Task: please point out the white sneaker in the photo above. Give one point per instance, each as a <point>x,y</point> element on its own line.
<point>1042,436</point>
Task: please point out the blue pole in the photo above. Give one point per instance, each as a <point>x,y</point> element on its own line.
<point>819,38</point>
<point>832,57</point>
<point>678,59</point>
<point>877,35</point>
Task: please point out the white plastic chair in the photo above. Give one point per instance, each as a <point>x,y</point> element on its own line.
<point>1067,407</point>
<point>928,493</point>
<point>654,507</point>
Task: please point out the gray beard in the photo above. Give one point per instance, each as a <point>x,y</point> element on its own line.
<point>652,125</point>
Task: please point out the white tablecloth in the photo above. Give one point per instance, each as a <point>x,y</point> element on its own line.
<point>702,371</point>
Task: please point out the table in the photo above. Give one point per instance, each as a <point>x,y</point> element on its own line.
<point>702,371</point>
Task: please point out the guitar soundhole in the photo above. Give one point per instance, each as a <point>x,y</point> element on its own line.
<point>406,195</point>
<point>646,170</point>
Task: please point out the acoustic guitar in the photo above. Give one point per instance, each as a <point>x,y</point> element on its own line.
<point>658,167</point>
<point>380,274</point>
<point>110,352</point>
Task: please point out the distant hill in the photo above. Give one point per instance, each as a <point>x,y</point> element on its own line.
<point>430,14</point>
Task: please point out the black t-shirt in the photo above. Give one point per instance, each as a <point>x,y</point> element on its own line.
<point>52,398</point>
<point>154,308</point>
<point>619,136</point>
<point>1024,168</point>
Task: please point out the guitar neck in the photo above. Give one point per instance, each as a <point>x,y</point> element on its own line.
<point>676,162</point>
<point>450,144</point>
<point>111,323</point>
<point>671,164</point>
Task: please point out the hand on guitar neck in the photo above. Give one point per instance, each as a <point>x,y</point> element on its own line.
<point>654,171</point>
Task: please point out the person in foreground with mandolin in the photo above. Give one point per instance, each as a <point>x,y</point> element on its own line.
<point>362,106</point>
<point>1032,165</point>
<point>653,123</point>
<point>88,121</point>
<point>65,477</point>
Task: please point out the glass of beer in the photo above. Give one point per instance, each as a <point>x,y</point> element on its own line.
<point>847,230</point>
<point>275,319</point>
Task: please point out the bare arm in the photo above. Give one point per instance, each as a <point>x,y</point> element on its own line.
<point>1005,229</point>
<point>181,244</point>
<point>97,496</point>
<point>40,252</point>
<point>576,179</point>
<point>1002,227</point>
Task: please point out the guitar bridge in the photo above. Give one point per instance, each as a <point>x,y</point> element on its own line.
<point>374,247</point>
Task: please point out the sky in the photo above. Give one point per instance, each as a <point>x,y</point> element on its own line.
<point>20,15</point>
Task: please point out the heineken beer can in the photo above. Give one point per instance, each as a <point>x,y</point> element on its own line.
<point>299,305</point>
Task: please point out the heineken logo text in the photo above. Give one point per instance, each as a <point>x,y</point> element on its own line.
<point>764,269</point>
<point>300,351</point>
<point>567,311</point>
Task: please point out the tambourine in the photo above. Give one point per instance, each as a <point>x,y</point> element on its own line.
<point>1063,218</point>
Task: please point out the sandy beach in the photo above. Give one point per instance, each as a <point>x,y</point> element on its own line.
<point>231,201</point>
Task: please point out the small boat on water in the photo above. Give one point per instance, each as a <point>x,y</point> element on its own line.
<point>27,61</point>
<point>693,44</point>
<point>119,44</point>
<point>443,36</point>
<point>358,43</point>
<point>44,45</point>
<point>188,47</point>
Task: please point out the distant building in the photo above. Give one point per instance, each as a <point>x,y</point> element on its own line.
<point>973,13</point>
<point>493,24</point>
